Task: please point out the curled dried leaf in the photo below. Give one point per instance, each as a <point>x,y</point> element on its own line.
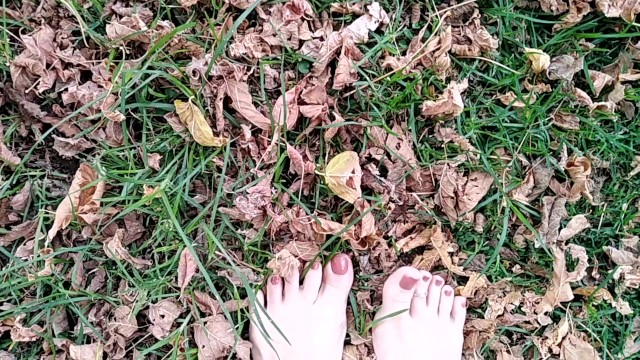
<point>449,104</point>
<point>538,59</point>
<point>560,289</point>
<point>187,267</point>
<point>343,175</point>
<point>284,264</point>
<point>191,117</point>
<point>563,67</point>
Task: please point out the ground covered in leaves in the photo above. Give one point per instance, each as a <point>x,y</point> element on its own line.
<point>159,160</point>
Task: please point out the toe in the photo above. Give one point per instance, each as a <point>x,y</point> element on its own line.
<point>337,279</point>
<point>459,312</point>
<point>274,293</point>
<point>434,293</point>
<point>292,285</point>
<point>446,302</point>
<point>312,281</point>
<point>399,289</point>
<point>419,300</point>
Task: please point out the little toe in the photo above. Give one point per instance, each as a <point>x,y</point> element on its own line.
<point>312,282</point>
<point>459,311</point>
<point>434,293</point>
<point>446,302</point>
<point>399,289</point>
<point>292,285</point>
<point>274,292</point>
<point>419,300</point>
<point>337,279</point>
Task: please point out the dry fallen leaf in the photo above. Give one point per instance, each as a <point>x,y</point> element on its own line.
<point>162,315</point>
<point>576,225</point>
<point>563,67</point>
<point>565,120</point>
<point>206,303</point>
<point>449,104</point>
<point>538,59</point>
<point>599,80</point>
<point>21,200</point>
<point>187,267</point>
<point>635,164</point>
<point>343,175</point>
<point>560,289</point>
<point>477,185</point>
<point>191,116</point>
<point>283,264</point>
<point>442,245</point>
<point>511,99</point>
<point>621,257</point>
<point>579,169</point>
<point>86,352</point>
<point>70,147</point>
<point>625,9</point>
<point>82,200</point>
<point>114,250</point>
<point>124,322</point>
<point>575,347</point>
<point>243,104</point>
<point>217,338</point>
<point>154,161</point>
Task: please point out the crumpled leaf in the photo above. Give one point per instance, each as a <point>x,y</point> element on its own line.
<point>21,200</point>
<point>206,303</point>
<point>86,352</point>
<point>599,80</point>
<point>114,249</point>
<point>243,104</point>
<point>511,99</point>
<point>563,67</point>
<point>19,333</point>
<point>574,347</point>
<point>216,339</point>
<point>283,264</point>
<point>621,257</point>
<point>449,104</point>
<point>124,322</point>
<point>565,120</point>
<point>25,230</point>
<point>441,247</point>
<point>70,147</point>
<point>538,59</point>
<point>343,175</point>
<point>191,116</point>
<point>187,267</point>
<point>579,169</point>
<point>154,161</point>
<point>188,3</point>
<point>162,315</point>
<point>82,200</point>
<point>635,164</point>
<point>625,9</point>
<point>560,289</point>
<point>477,185</point>
<point>6,154</point>
<point>576,225</point>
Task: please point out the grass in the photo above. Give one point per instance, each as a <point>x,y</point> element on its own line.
<point>177,219</point>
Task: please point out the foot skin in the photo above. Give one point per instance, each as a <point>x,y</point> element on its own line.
<point>312,316</point>
<point>430,326</point>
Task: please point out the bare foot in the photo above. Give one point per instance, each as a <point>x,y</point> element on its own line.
<point>430,322</point>
<point>312,317</point>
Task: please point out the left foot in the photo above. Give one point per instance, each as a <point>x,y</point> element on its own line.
<point>312,316</point>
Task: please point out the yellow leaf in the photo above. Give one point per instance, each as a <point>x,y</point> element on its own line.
<point>343,176</point>
<point>538,59</point>
<point>191,116</point>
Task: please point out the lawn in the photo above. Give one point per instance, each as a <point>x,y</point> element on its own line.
<point>160,159</point>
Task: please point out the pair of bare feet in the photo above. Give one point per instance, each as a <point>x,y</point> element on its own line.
<point>420,317</point>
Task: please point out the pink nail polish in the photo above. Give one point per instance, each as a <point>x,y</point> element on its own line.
<point>464,303</point>
<point>340,264</point>
<point>275,280</point>
<point>425,278</point>
<point>407,282</point>
<point>439,282</point>
<point>316,265</point>
<point>448,292</point>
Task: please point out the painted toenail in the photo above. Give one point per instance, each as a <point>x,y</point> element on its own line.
<point>464,303</point>
<point>275,280</point>
<point>425,278</point>
<point>340,264</point>
<point>439,282</point>
<point>316,265</point>
<point>407,282</point>
<point>448,292</point>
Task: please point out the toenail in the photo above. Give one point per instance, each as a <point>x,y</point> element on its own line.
<point>425,278</point>
<point>316,265</point>
<point>448,292</point>
<point>439,282</point>
<point>407,282</point>
<point>464,303</point>
<point>275,280</point>
<point>340,264</point>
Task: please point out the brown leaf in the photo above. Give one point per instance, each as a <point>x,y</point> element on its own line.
<point>518,102</point>
<point>19,333</point>
<point>206,303</point>
<point>114,250</point>
<point>187,267</point>
<point>579,168</point>
<point>441,242</point>
<point>563,67</point>
<point>574,347</point>
<point>619,8</point>
<point>216,339</point>
<point>343,175</point>
<point>86,352</point>
<point>243,104</point>
<point>162,315</point>
<point>598,295</point>
<point>560,289</point>
<point>297,163</point>
<point>565,120</point>
<point>288,114</point>
<point>154,161</point>
<point>346,70</point>
<point>599,80</point>
<point>476,187</point>
<point>284,264</point>
<point>187,3</point>
<point>413,241</point>
<point>446,196</point>
<point>8,156</point>
<point>538,60</point>
<point>70,147</point>
<point>576,225</point>
<point>82,200</point>
<point>191,116</point>
<point>635,164</point>
<point>303,250</point>
<point>21,200</point>
<point>124,322</point>
<point>25,230</point>
<point>621,257</point>
<point>449,104</point>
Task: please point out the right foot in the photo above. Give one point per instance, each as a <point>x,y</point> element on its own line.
<point>421,319</point>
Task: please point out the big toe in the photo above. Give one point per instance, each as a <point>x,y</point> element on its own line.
<point>399,289</point>
<point>337,279</point>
